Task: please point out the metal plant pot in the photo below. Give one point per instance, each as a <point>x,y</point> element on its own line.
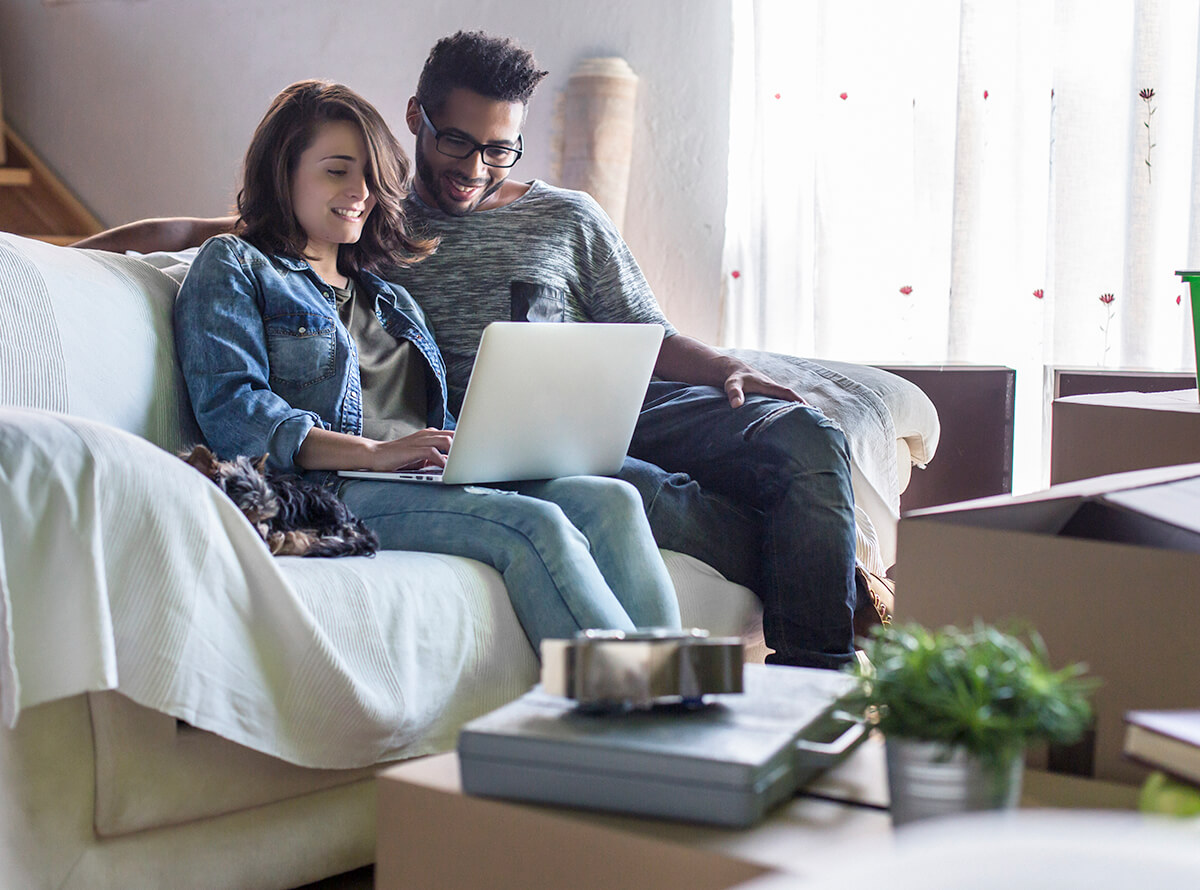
<point>924,782</point>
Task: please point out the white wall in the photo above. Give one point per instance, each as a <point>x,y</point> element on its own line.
<point>144,107</point>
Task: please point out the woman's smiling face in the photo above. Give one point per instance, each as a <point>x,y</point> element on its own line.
<point>330,196</point>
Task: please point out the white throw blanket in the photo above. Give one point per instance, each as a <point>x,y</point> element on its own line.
<point>118,553</point>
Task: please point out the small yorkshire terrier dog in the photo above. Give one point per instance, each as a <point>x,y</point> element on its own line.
<point>294,517</point>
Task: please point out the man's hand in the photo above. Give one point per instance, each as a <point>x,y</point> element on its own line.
<point>688,360</point>
<point>747,381</point>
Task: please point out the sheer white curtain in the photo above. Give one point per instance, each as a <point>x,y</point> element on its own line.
<point>964,180</point>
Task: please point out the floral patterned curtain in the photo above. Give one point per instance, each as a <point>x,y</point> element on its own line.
<point>992,181</point>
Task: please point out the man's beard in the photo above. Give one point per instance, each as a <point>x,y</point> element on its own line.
<point>428,179</point>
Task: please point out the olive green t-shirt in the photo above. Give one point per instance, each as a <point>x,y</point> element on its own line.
<point>394,398</point>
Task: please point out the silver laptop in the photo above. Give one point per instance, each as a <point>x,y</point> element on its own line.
<point>544,401</point>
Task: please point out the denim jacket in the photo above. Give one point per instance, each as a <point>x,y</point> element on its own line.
<point>266,357</point>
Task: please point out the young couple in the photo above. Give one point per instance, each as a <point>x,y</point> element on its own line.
<point>298,337</point>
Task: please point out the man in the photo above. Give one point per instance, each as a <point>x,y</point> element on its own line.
<point>511,250</point>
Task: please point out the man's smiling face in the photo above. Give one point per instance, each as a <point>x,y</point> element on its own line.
<point>459,186</point>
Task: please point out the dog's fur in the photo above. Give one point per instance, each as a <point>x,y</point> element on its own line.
<point>294,517</point>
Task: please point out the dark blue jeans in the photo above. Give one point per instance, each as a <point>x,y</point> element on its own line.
<point>766,500</point>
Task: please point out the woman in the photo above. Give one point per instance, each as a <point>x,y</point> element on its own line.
<point>292,346</point>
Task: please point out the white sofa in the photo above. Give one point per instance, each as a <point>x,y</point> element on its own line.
<point>179,708</point>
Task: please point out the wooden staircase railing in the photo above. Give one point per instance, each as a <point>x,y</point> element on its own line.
<point>34,202</point>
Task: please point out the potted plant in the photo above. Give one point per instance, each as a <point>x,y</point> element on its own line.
<point>958,709</point>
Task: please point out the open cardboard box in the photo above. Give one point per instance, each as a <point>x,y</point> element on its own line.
<point>1106,569</point>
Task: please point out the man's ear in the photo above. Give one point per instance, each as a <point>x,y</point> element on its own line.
<point>412,115</point>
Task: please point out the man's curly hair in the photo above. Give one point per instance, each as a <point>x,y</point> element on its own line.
<point>495,67</point>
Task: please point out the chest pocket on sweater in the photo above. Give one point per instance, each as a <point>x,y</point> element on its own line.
<point>537,302</point>
<point>301,349</point>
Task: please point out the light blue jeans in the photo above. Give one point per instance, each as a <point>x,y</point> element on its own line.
<point>575,553</point>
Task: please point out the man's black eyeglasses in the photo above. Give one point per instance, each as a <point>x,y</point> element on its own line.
<point>460,147</point>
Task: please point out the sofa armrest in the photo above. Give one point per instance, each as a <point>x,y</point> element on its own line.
<point>913,412</point>
<point>889,424</point>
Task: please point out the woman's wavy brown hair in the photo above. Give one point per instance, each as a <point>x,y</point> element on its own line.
<point>266,216</point>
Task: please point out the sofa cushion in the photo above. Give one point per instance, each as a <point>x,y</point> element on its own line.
<point>88,333</point>
<point>48,839</point>
<point>154,770</point>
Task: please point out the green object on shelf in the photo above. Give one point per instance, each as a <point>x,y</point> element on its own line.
<point>1193,280</point>
<point>1169,797</point>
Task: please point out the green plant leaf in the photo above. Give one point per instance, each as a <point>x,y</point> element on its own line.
<point>983,689</point>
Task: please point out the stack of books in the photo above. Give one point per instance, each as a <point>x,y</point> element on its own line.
<point>1169,743</point>
<point>1165,740</point>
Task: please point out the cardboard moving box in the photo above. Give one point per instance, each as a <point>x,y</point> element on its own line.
<point>1106,569</point>
<point>1103,433</point>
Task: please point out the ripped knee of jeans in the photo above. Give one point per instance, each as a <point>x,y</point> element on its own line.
<point>794,416</point>
<point>482,489</point>
<point>796,440</point>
